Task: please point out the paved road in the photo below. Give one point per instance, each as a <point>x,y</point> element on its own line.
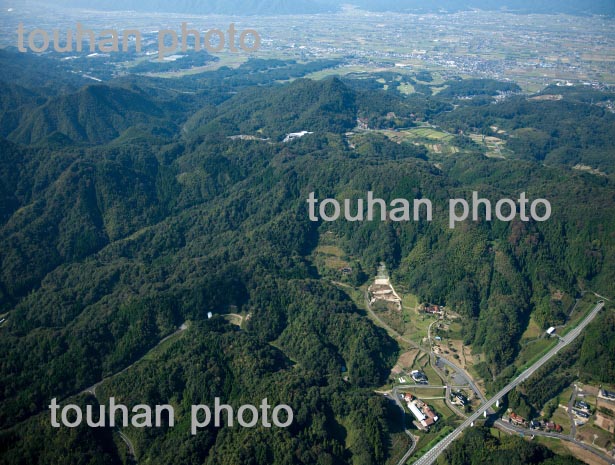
<point>471,383</point>
<point>431,355</point>
<point>428,352</point>
<point>564,437</point>
<point>92,389</point>
<point>431,456</point>
<point>131,448</point>
<point>410,451</point>
<point>573,423</point>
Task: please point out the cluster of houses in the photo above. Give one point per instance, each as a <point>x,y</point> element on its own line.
<point>362,124</point>
<point>581,409</point>
<point>605,415</point>
<point>432,309</point>
<point>533,424</point>
<point>424,415</point>
<point>607,394</point>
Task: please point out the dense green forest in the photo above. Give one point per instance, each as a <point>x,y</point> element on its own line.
<point>127,208</point>
<point>479,446</point>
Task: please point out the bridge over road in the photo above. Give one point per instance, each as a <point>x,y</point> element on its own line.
<point>430,457</point>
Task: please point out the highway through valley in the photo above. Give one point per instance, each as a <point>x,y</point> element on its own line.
<point>431,456</point>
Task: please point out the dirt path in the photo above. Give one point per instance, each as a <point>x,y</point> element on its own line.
<point>92,389</point>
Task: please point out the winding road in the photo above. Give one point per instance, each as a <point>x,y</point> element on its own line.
<point>92,388</point>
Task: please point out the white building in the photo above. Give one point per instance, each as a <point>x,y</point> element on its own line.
<point>295,135</point>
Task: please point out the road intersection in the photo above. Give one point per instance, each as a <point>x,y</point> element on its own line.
<point>431,456</point>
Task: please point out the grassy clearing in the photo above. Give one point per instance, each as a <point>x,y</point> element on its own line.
<point>406,88</point>
<point>155,352</point>
<point>341,71</point>
<point>436,391</point>
<point>429,440</point>
<point>425,133</point>
<point>330,250</point>
<point>436,141</point>
<point>554,444</point>
<point>532,331</point>
<point>444,412</point>
<point>429,133</point>
<point>584,307</point>
<point>234,319</point>
<point>534,350</point>
<point>593,435</point>
<point>329,258</point>
<point>409,301</point>
<point>417,327</point>
<point>432,376</point>
<point>560,417</point>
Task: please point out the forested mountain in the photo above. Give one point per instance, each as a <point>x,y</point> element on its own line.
<point>94,114</point>
<point>327,106</point>
<point>127,209</point>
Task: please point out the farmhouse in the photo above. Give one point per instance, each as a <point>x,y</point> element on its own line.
<point>423,413</point>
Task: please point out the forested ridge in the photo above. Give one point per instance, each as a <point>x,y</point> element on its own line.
<point>128,209</point>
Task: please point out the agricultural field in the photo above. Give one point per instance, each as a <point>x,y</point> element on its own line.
<point>494,145</point>
<point>435,140</point>
<point>595,436</point>
<point>533,331</point>
<point>330,260</point>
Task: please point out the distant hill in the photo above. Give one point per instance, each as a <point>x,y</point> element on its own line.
<point>241,7</point>
<point>261,7</point>
<point>584,7</point>
<point>326,105</point>
<point>94,114</point>
<point>44,76</point>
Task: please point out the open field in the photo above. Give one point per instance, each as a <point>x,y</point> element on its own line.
<point>343,71</point>
<point>416,328</point>
<point>560,417</point>
<point>533,350</point>
<point>533,330</point>
<point>405,361</point>
<point>330,259</point>
<point>568,448</point>
<point>234,319</point>
<point>436,141</point>
<point>425,393</point>
<point>406,88</point>
<point>595,436</point>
